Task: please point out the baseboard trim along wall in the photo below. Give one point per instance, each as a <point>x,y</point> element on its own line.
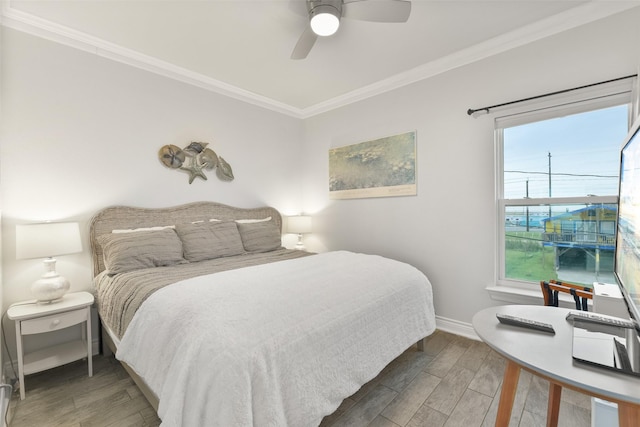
<point>456,327</point>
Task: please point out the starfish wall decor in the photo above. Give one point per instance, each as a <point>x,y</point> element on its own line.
<point>198,158</point>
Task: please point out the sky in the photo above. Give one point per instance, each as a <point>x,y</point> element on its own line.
<point>585,146</point>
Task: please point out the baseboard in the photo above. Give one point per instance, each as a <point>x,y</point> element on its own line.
<point>456,327</point>
<point>95,346</point>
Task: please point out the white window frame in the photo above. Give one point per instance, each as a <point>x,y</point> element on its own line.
<point>555,106</point>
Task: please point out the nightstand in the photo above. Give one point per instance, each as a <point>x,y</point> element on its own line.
<point>36,318</point>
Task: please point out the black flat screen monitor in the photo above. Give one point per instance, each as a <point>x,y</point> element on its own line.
<point>627,252</point>
<point>613,347</point>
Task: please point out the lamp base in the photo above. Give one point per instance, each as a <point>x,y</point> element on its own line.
<point>300,246</point>
<point>51,286</point>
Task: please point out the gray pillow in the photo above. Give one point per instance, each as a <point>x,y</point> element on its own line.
<point>209,240</point>
<point>143,249</point>
<point>260,236</point>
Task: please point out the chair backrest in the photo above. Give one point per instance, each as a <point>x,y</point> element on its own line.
<point>550,290</point>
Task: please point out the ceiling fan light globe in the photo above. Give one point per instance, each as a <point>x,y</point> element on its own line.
<point>325,20</point>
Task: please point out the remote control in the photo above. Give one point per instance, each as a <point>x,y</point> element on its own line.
<point>525,323</point>
<point>600,319</point>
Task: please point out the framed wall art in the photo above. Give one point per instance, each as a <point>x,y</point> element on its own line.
<point>384,167</point>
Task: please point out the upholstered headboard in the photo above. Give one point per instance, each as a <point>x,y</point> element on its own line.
<point>127,217</point>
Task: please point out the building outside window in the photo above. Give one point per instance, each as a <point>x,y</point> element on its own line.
<point>557,186</point>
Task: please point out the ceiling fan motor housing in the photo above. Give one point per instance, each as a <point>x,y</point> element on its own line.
<point>336,4</point>
<point>325,16</point>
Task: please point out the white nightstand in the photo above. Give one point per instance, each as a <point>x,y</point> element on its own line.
<point>36,318</point>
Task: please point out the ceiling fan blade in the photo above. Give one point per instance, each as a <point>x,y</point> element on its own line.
<point>377,10</point>
<point>299,7</point>
<point>304,45</point>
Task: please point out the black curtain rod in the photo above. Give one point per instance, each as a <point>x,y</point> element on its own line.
<point>470,111</point>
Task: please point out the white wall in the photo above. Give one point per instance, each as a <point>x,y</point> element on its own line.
<point>448,229</point>
<point>81,132</point>
<point>1,281</point>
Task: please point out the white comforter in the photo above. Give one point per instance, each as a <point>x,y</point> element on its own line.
<point>279,344</point>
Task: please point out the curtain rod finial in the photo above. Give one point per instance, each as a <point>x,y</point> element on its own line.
<point>478,112</point>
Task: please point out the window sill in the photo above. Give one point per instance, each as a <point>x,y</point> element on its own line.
<point>515,295</point>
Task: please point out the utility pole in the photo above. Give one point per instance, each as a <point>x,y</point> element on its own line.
<point>527,196</point>
<point>549,184</point>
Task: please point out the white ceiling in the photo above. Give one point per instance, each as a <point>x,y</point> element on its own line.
<point>241,47</point>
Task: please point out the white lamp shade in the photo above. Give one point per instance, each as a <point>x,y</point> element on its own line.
<point>299,224</point>
<point>47,239</point>
<point>325,20</point>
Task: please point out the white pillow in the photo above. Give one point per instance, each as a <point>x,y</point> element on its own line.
<point>252,221</point>
<point>135,230</point>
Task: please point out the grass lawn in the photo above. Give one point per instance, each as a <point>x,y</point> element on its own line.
<point>527,259</point>
<point>532,266</point>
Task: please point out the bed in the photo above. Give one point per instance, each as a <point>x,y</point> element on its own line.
<point>218,324</point>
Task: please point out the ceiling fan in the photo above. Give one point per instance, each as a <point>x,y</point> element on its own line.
<point>325,15</point>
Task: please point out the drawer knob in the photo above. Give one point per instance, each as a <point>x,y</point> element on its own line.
<point>56,322</point>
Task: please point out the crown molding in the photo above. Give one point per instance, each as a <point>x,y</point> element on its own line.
<point>556,24</point>
<point>48,30</point>
<point>572,18</point>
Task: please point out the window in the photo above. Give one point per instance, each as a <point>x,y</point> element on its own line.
<point>557,188</point>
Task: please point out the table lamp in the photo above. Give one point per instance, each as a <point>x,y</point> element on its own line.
<point>47,240</point>
<point>299,224</point>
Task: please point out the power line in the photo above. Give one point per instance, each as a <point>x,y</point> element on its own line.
<point>565,174</point>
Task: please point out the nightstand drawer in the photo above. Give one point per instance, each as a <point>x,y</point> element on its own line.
<point>53,322</point>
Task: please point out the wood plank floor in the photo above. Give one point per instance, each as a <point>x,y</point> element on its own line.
<point>454,382</point>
